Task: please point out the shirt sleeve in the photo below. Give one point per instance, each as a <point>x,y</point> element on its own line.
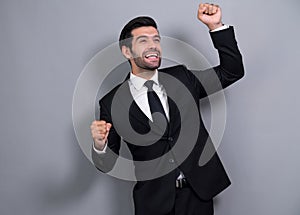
<point>220,28</point>
<point>100,151</point>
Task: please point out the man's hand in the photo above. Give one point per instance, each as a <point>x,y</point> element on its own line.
<point>210,15</point>
<point>100,131</point>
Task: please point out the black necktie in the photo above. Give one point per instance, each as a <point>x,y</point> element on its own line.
<point>153,99</point>
<point>156,106</point>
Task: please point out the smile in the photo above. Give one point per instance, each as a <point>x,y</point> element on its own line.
<point>152,55</point>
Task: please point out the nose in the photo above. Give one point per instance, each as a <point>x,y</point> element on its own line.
<point>152,44</point>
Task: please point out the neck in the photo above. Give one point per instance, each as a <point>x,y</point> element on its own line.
<point>143,73</point>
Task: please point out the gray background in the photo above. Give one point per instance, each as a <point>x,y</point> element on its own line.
<point>44,46</point>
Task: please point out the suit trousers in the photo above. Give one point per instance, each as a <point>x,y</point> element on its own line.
<point>188,203</point>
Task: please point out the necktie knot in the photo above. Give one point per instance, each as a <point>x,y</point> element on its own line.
<point>149,85</point>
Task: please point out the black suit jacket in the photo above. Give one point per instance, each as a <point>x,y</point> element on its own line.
<point>183,141</point>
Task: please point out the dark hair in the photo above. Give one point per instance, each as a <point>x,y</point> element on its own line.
<point>126,36</point>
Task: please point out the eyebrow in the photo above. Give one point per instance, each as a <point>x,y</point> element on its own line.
<point>144,36</point>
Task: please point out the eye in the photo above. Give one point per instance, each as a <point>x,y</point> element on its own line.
<point>142,40</point>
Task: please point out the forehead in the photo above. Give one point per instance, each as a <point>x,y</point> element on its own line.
<point>145,30</point>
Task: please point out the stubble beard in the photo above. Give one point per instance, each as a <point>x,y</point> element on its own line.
<point>146,66</point>
<point>141,63</point>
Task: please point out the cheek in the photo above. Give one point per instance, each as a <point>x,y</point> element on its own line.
<point>159,48</point>
<point>138,51</point>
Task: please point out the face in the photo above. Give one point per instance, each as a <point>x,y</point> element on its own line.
<point>145,53</point>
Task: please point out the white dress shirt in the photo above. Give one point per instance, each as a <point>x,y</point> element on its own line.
<point>139,93</point>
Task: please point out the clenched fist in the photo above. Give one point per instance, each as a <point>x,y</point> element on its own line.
<point>100,130</point>
<point>210,15</point>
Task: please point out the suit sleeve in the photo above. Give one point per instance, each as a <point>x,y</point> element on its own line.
<point>227,72</point>
<point>106,161</point>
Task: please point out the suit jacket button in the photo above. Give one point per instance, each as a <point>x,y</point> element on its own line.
<point>171,160</point>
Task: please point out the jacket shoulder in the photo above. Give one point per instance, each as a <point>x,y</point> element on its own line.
<point>172,69</point>
<point>107,98</point>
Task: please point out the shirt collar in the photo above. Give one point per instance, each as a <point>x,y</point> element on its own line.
<point>139,82</point>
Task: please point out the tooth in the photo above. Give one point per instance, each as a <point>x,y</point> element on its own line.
<point>151,55</point>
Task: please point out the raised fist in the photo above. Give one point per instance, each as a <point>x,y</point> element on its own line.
<point>210,15</point>
<point>100,131</point>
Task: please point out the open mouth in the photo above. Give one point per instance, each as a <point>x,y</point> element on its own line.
<point>152,56</point>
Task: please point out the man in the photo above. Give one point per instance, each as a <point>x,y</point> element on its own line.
<point>160,117</point>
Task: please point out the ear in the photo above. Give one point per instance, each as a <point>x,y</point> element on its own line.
<point>126,52</point>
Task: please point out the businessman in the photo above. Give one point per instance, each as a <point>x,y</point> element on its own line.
<point>161,107</point>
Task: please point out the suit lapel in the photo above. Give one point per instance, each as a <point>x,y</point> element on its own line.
<point>173,111</point>
<point>134,112</point>
<point>137,114</point>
